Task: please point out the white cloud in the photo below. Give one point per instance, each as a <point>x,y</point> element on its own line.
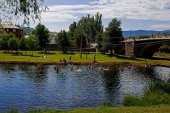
<point>57,17</point>
<point>160,26</point>
<point>130,9</point>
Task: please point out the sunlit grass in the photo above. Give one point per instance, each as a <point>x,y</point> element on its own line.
<point>154,109</point>
<point>56,56</point>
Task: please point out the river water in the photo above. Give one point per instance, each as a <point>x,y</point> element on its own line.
<point>25,88</point>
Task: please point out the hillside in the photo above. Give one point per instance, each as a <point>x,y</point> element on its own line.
<point>27,30</point>
<point>143,32</point>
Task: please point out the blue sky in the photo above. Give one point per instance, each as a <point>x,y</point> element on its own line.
<point>134,14</point>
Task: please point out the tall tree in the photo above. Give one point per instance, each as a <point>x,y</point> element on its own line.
<point>98,22</point>
<point>63,40</point>
<point>80,38</point>
<point>115,35</point>
<point>42,33</point>
<point>87,28</point>
<point>72,28</point>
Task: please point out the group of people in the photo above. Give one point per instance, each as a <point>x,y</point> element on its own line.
<point>64,61</point>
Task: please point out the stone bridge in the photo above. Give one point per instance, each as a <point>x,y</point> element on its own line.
<point>144,48</point>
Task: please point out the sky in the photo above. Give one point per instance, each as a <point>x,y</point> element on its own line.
<point>134,14</point>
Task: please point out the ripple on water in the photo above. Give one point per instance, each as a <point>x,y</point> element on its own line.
<point>22,87</point>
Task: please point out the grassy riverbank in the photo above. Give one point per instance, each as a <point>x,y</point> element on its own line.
<point>154,109</point>
<point>158,94</point>
<point>54,57</point>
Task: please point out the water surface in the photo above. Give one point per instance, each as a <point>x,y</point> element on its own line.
<point>25,88</point>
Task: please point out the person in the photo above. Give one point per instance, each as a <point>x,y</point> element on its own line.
<point>64,61</point>
<point>70,61</point>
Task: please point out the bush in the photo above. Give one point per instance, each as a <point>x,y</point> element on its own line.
<point>165,48</point>
<point>13,110</point>
<point>160,86</point>
<point>106,104</point>
<point>13,43</point>
<point>159,93</point>
<point>131,101</point>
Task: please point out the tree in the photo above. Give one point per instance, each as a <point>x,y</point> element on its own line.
<point>80,38</point>
<point>102,41</point>
<point>115,34</point>
<point>13,43</point>
<point>72,28</point>
<point>4,41</point>
<point>86,29</point>
<point>28,9</point>
<point>23,42</point>
<point>42,33</point>
<point>63,40</point>
<point>32,43</point>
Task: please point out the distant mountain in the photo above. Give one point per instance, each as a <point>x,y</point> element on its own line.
<point>27,30</point>
<point>143,32</point>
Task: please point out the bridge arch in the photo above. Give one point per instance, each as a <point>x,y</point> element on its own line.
<point>144,48</point>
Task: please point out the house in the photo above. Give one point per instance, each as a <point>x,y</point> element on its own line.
<point>17,31</point>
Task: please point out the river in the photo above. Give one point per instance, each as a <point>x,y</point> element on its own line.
<point>25,88</point>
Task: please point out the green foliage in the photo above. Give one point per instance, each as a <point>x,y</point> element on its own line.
<point>32,43</point>
<point>23,44</point>
<point>131,101</point>
<point>13,110</point>
<point>102,41</point>
<point>158,94</point>
<point>86,29</point>
<point>63,40</point>
<point>72,28</point>
<point>28,9</point>
<point>143,37</point>
<point>165,48</point>
<point>13,43</point>
<point>42,33</point>
<point>114,29</point>
<point>80,38</point>
<point>115,34</point>
<point>160,86</point>
<point>106,104</point>
<point>4,40</point>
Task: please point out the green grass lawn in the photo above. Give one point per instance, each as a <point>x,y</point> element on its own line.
<point>57,55</point>
<point>155,109</point>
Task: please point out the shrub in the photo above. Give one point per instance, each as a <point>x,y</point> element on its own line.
<point>165,48</point>
<point>159,93</point>
<point>131,101</point>
<point>106,104</point>
<point>13,110</point>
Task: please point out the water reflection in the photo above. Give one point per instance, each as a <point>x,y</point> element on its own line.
<point>22,86</point>
<point>162,73</point>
